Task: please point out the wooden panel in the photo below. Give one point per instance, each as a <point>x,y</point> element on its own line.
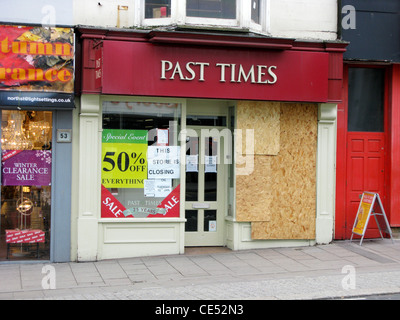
<point>375,169</point>
<point>365,172</point>
<point>253,192</point>
<point>279,196</point>
<point>357,145</point>
<point>357,168</point>
<point>263,117</point>
<point>140,233</point>
<point>374,145</point>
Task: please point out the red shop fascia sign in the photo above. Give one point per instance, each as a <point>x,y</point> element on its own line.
<point>185,65</point>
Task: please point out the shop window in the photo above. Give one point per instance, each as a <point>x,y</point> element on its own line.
<point>25,184</point>
<point>220,9</point>
<point>225,13</point>
<point>155,9</point>
<point>140,160</point>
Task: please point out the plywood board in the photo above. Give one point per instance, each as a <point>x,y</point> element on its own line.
<point>263,118</point>
<point>274,230</point>
<point>253,192</point>
<point>279,197</point>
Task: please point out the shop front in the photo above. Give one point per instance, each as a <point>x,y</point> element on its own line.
<point>368,118</point>
<point>195,139</point>
<point>36,102</point>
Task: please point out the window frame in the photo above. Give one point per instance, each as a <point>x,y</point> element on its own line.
<point>156,21</point>
<point>263,26</point>
<point>243,17</point>
<point>214,21</point>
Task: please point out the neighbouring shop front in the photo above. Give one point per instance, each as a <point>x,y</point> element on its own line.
<point>204,139</point>
<point>368,119</point>
<point>36,102</point>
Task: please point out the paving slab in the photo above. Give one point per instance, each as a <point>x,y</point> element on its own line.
<point>318,272</point>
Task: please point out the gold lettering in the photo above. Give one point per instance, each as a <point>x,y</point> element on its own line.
<point>51,75</point>
<point>35,48</point>
<point>35,74</point>
<point>62,49</point>
<point>41,48</point>
<point>18,74</point>
<point>4,46</point>
<point>2,73</point>
<point>19,47</point>
<point>64,75</point>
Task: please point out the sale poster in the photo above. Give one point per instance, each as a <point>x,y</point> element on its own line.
<point>26,168</point>
<point>136,180</point>
<point>124,162</point>
<point>171,203</point>
<point>111,207</point>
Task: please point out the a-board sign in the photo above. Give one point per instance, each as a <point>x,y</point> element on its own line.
<point>369,203</point>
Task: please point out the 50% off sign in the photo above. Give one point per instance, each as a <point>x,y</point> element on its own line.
<point>124,165</point>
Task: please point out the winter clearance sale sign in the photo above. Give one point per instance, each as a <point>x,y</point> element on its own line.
<point>26,168</point>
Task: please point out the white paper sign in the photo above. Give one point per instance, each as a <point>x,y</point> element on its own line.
<point>149,188</point>
<point>210,164</point>
<point>163,187</point>
<point>192,163</point>
<point>212,226</point>
<point>158,188</point>
<point>162,137</point>
<point>163,162</point>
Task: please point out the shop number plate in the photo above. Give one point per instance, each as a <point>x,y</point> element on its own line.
<point>64,135</point>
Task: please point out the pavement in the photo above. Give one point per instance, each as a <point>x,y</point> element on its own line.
<point>340,270</point>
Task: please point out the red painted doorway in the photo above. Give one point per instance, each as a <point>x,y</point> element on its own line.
<point>362,125</point>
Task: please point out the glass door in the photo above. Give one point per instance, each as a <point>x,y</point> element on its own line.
<point>206,184</point>
<point>25,185</point>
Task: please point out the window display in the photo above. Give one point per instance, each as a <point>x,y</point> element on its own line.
<point>140,160</point>
<point>25,184</point>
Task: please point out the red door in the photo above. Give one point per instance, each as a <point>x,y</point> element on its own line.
<point>363,146</point>
<point>365,172</point>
